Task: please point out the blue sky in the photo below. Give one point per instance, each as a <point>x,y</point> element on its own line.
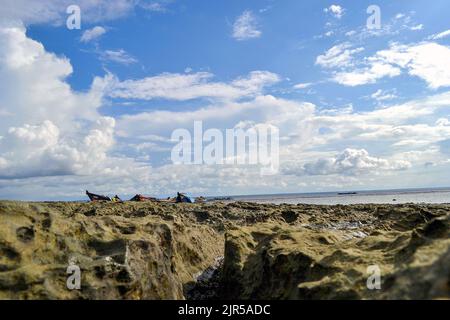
<point>356,108</point>
<point>199,35</point>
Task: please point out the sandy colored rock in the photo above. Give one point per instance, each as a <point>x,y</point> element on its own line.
<point>329,260</point>
<point>130,251</point>
<point>223,250</point>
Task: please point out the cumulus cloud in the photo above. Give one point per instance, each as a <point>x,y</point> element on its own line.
<point>43,150</point>
<point>174,86</point>
<point>246,27</point>
<point>50,130</point>
<point>92,34</point>
<point>299,124</point>
<point>289,116</point>
<point>428,61</point>
<point>370,74</point>
<point>440,35</point>
<point>341,55</point>
<point>33,85</point>
<point>348,162</point>
<point>336,10</point>
<point>443,122</point>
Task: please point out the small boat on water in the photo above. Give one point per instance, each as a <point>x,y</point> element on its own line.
<point>346,193</point>
<point>220,199</point>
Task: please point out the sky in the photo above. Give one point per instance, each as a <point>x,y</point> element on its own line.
<point>94,108</point>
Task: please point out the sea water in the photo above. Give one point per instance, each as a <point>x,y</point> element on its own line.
<point>356,197</point>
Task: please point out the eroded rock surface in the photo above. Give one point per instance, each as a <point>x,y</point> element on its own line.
<point>130,251</point>
<point>223,250</point>
<point>329,260</point>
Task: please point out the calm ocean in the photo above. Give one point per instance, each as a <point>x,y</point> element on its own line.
<point>440,195</point>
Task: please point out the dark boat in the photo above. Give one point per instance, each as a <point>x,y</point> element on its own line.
<point>182,198</point>
<point>96,197</point>
<point>346,193</point>
<point>221,198</point>
<point>140,197</point>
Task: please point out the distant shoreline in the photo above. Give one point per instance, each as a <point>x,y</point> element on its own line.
<point>277,197</point>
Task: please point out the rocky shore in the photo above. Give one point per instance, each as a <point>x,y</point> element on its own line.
<point>221,250</point>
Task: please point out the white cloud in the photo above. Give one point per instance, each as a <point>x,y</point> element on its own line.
<point>396,129</point>
<point>262,109</point>
<point>303,85</point>
<point>157,6</point>
<point>440,35</point>
<point>336,10</point>
<point>54,11</point>
<point>417,27</point>
<point>366,75</point>
<point>429,61</point>
<point>348,162</point>
<point>389,28</point>
<point>443,122</point>
<point>92,34</point>
<point>341,55</point>
<point>299,124</point>
<point>246,27</point>
<point>383,95</point>
<point>51,11</point>
<point>42,150</point>
<point>34,82</point>
<point>174,86</point>
<point>51,130</point>
<point>118,56</point>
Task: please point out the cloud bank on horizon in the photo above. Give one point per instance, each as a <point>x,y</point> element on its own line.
<point>95,108</point>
